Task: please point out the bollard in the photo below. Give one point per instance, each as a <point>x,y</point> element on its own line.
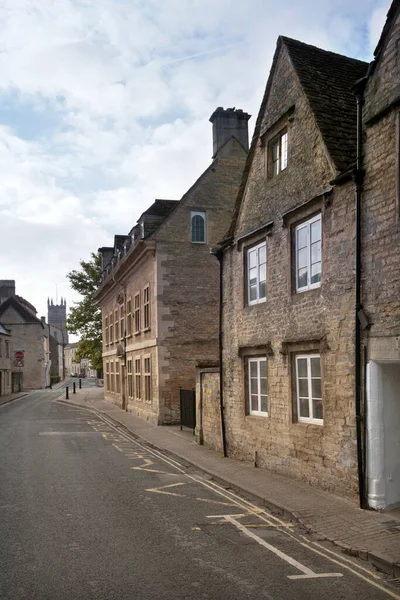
<point>73,388</point>
<point>66,393</point>
<point>80,383</point>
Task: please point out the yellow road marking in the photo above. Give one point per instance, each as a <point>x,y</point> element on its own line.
<point>161,489</point>
<point>214,501</point>
<point>254,510</point>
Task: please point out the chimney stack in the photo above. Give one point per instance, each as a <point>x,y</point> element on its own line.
<point>7,289</point>
<point>227,123</point>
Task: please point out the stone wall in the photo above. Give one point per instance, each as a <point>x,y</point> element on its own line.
<point>319,320</point>
<point>27,337</point>
<point>208,416</point>
<point>188,278</point>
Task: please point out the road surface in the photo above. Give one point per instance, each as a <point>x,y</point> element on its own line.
<point>86,512</point>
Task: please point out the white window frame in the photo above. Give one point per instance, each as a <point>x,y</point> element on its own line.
<point>281,140</point>
<point>137,314</point>
<point>307,224</point>
<point>146,308</point>
<point>147,378</point>
<point>310,419</point>
<point>138,378</point>
<point>257,360</point>
<point>198,214</point>
<point>130,377</point>
<point>258,300</point>
<point>129,317</point>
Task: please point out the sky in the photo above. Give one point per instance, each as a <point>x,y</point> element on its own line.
<point>104,106</point>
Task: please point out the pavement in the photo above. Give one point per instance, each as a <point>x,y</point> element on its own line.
<point>369,535</point>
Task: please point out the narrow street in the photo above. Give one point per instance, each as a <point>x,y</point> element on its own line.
<point>87,512</point>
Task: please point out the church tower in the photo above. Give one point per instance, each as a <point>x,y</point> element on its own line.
<point>57,316</point>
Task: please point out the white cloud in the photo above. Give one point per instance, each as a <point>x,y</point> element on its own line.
<point>108,106</point>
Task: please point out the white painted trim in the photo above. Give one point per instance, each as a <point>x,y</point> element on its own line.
<point>306,224</point>
<point>311,419</point>
<point>257,360</point>
<point>258,300</point>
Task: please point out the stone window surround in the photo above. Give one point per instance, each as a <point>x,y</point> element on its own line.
<point>290,220</point>
<point>246,352</point>
<point>198,213</point>
<point>296,228</point>
<point>268,137</point>
<point>289,350</point>
<point>309,356</point>
<point>138,378</point>
<point>256,360</point>
<point>256,246</point>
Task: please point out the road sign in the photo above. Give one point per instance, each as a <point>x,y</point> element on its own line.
<point>19,355</point>
<point>20,363</point>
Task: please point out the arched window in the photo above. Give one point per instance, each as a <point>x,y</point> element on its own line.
<point>198,227</point>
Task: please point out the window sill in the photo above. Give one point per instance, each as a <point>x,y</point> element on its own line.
<point>318,422</point>
<point>257,302</point>
<point>308,289</point>
<point>137,333</point>
<point>146,329</point>
<point>256,418</point>
<point>200,243</point>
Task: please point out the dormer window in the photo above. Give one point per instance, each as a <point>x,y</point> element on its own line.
<point>278,153</point>
<point>198,227</point>
<point>142,230</point>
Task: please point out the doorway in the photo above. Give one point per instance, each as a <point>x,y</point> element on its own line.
<point>383,433</point>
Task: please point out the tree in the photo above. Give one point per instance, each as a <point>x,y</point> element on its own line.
<point>85,317</point>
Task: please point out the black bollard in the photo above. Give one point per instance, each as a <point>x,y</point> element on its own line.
<point>80,383</point>
<point>66,393</point>
<point>73,388</point>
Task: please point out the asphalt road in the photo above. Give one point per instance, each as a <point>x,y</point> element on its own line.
<point>88,513</point>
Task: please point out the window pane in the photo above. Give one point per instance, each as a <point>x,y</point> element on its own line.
<point>302,237</point>
<point>253,276</point>
<point>317,409</point>
<point>264,404</point>
<point>252,259</point>
<point>262,254</point>
<point>254,386</point>
<point>315,231</point>
<point>263,272</point>
<point>302,258</point>
<point>315,367</point>
<point>263,386</point>
<point>316,273</point>
<point>198,229</point>
<point>316,252</point>
<point>253,368</point>
<point>263,368</point>
<point>303,388</point>
<point>275,151</point>
<point>304,408</point>
<point>302,367</point>
<point>253,293</point>
<point>302,278</point>
<point>316,388</point>
<point>284,151</point>
<point>263,291</point>
<point>254,403</point>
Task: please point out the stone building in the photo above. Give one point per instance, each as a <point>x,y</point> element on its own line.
<point>5,360</point>
<point>288,278</point>
<point>57,316</point>
<point>71,364</point>
<point>159,294</point>
<point>380,264</point>
<point>27,343</point>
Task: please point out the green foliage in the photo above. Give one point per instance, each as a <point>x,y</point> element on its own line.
<point>85,317</point>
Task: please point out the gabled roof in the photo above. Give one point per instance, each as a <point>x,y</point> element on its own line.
<point>326,79</point>
<point>160,208</point>
<point>387,27</point>
<point>26,315</point>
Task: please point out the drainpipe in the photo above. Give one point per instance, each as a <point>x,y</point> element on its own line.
<point>219,254</point>
<point>358,90</point>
